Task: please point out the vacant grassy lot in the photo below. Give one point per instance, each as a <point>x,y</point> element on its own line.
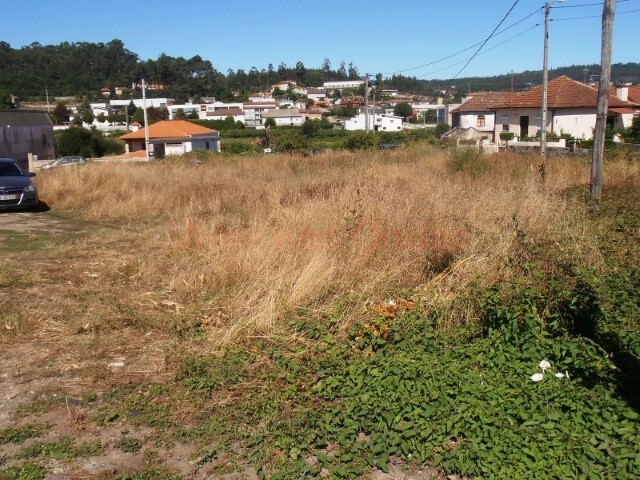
<point>339,315</point>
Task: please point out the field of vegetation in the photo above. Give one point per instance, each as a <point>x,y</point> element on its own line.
<point>413,313</point>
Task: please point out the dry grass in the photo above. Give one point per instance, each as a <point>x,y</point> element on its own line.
<point>240,243</point>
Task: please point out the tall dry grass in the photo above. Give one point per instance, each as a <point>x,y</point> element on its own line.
<point>254,238</point>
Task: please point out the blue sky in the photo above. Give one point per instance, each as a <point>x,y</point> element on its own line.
<point>405,36</point>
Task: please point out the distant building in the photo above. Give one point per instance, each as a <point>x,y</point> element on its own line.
<point>341,85</point>
<point>173,137</point>
<point>285,117</point>
<point>254,113</point>
<point>24,132</point>
<point>378,122</point>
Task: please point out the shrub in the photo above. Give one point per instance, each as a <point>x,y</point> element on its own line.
<point>239,148</point>
<point>469,160</point>
<point>88,143</point>
<point>361,141</point>
<point>290,141</point>
<point>506,135</point>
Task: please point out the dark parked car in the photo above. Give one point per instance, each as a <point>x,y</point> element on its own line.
<point>16,189</point>
<point>66,162</point>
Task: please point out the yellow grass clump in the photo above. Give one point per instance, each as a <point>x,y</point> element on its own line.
<point>246,241</point>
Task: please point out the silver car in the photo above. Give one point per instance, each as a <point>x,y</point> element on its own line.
<point>66,162</point>
<point>16,189</point>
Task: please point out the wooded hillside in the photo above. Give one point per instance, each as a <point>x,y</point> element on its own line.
<point>82,69</point>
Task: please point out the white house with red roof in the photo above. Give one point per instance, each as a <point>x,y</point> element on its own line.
<point>475,117</point>
<point>173,137</point>
<point>571,109</point>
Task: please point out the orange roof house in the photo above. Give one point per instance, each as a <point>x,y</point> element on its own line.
<point>571,109</point>
<point>475,118</point>
<point>173,137</point>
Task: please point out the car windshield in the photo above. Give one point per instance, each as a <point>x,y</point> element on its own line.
<point>10,170</point>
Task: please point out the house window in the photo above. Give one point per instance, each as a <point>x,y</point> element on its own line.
<point>505,127</point>
<point>480,121</point>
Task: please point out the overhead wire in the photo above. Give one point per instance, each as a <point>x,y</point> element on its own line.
<point>447,57</point>
<point>495,34</point>
<point>591,16</point>
<point>484,51</point>
<point>487,39</point>
<point>586,4</point>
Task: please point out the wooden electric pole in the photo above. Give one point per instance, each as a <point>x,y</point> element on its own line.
<point>545,89</point>
<point>603,102</point>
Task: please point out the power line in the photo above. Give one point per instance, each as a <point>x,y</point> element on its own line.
<point>487,39</point>
<point>537,10</point>
<point>587,4</point>
<point>484,52</point>
<point>592,16</point>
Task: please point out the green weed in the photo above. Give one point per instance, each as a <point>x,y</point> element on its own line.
<point>62,449</point>
<point>27,471</point>
<point>18,435</point>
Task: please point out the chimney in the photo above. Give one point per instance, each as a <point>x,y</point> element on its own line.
<point>622,93</point>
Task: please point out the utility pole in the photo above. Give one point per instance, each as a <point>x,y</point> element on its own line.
<point>545,88</point>
<point>146,123</point>
<point>603,102</point>
<point>366,102</point>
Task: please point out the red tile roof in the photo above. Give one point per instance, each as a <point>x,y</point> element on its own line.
<point>484,102</point>
<point>634,94</point>
<point>563,92</point>
<point>169,129</point>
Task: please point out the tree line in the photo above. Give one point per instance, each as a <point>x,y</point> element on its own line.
<point>82,69</point>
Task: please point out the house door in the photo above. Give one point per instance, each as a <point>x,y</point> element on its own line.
<point>159,150</point>
<point>524,126</point>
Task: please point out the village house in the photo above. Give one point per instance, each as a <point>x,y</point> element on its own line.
<point>172,137</point>
<point>571,109</point>
<point>285,117</point>
<point>378,122</point>
<point>254,113</point>
<point>223,113</point>
<point>474,119</point>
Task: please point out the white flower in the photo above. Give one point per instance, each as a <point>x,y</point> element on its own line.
<point>559,375</point>
<point>536,377</point>
<point>544,365</point>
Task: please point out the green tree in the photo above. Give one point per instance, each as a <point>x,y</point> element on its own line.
<point>138,116</point>
<point>5,100</point>
<point>361,141</point>
<point>403,109</point>
<point>78,141</point>
<point>131,108</point>
<point>179,115</point>
<point>86,114</point>
<point>310,128</point>
<point>60,114</point>
<point>156,114</point>
<point>290,141</point>
<point>270,122</point>
<point>88,143</point>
